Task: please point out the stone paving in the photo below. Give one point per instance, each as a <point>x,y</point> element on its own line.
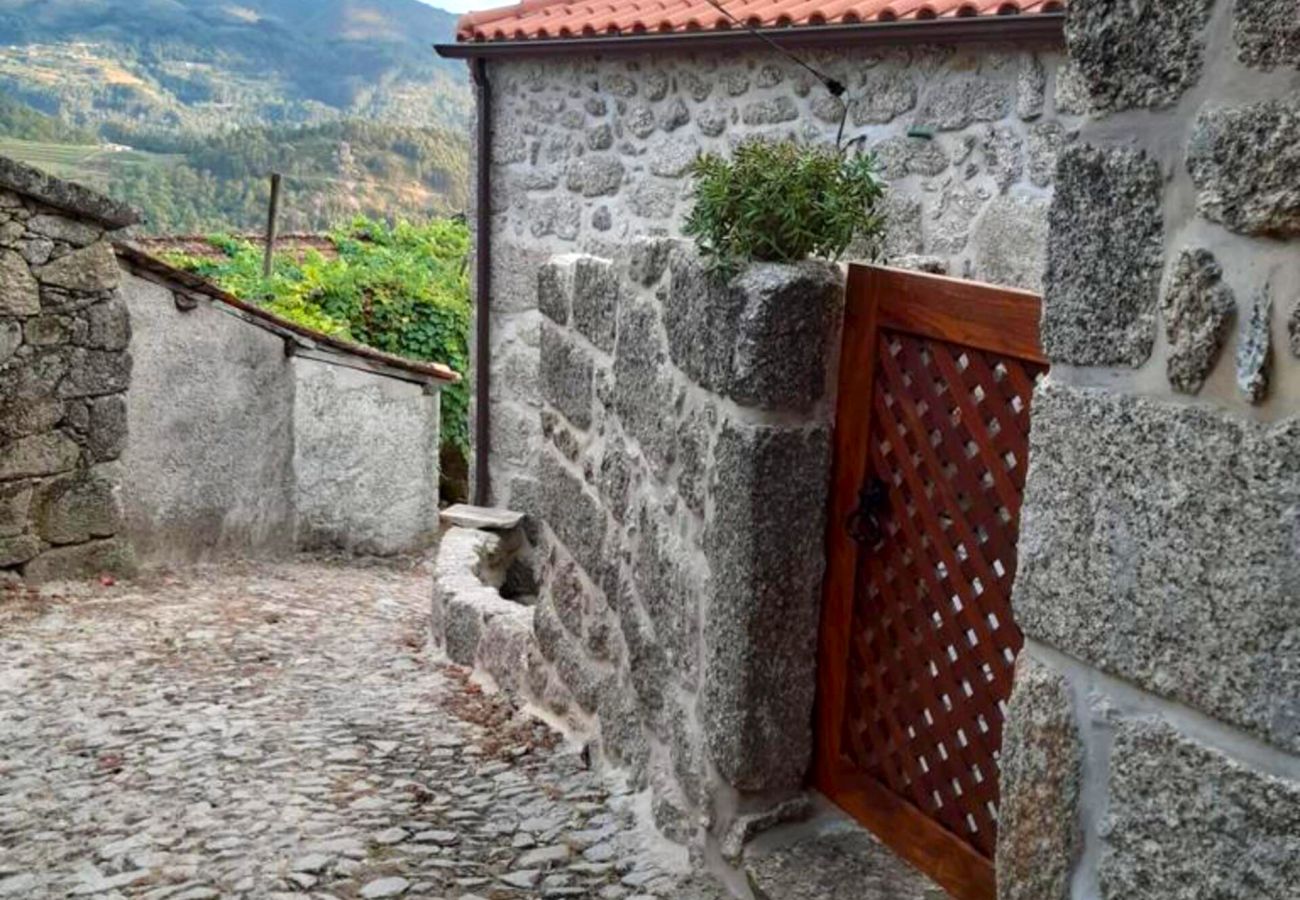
<point>279,730</point>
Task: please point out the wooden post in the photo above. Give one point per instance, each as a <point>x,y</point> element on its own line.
<point>272,215</point>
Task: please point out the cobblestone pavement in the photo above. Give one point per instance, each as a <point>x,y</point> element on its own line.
<point>278,730</point>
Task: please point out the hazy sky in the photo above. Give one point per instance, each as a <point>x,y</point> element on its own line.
<point>460,6</point>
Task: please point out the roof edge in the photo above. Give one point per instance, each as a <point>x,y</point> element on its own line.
<point>65,196</point>
<point>149,266</point>
<point>1047,27</point>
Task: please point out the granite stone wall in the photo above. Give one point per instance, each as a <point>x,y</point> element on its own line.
<point>64,368</point>
<point>1153,741</point>
<point>678,551</point>
<point>590,153</point>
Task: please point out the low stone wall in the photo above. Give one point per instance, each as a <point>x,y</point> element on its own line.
<point>64,368</point>
<point>591,152</point>
<point>238,448</point>
<point>1153,741</point>
<point>680,537</point>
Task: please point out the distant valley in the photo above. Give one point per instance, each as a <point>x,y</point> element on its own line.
<point>182,107</point>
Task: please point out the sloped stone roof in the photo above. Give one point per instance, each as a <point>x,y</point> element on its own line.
<point>74,199</point>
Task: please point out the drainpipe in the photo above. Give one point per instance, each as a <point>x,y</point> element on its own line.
<point>482,281</point>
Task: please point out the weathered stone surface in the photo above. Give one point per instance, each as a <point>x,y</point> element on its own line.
<point>674,115</point>
<point>1255,347</point>
<point>565,653</point>
<point>652,198</point>
<point>504,645</point>
<point>901,155</point>
<point>1045,142</point>
<point>1182,814</point>
<point>1136,55</point>
<point>17,550</point>
<point>1104,249</point>
<point>62,228</point>
<point>595,301</point>
<point>1293,329</point>
<point>573,514</point>
<point>566,375</point>
<point>760,631</point>
<point>594,176</point>
<point>105,326</point>
<point>669,588</point>
<point>64,195</point>
<point>39,454</point>
<point>488,518</point>
<point>111,556</point>
<point>1267,33</point>
<point>15,500</point>
<point>19,418</point>
<point>647,259</point>
<point>647,665</point>
<point>1010,242</point>
<point>515,268</point>
<point>1031,87</point>
<point>953,103</point>
<point>884,97</point>
<point>19,293</point>
<point>1039,831</point>
<point>761,338</point>
<point>622,738</point>
<point>92,268</point>
<point>92,373</point>
<point>769,111</point>
<point>76,508</point>
<point>1197,308</point>
<point>1172,516</point>
<point>748,826</point>
<point>11,337</point>
<point>1245,162</point>
<point>642,388</point>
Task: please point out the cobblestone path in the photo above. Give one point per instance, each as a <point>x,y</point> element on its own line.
<point>277,730</point>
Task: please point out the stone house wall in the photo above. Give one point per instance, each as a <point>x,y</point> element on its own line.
<point>64,368</point>
<point>1153,741</point>
<point>237,447</point>
<point>590,152</point>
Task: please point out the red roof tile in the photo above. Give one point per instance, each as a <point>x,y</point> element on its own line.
<point>541,19</point>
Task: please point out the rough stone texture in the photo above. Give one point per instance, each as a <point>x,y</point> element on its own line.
<point>365,460</point>
<point>760,629</point>
<point>1011,242</point>
<point>1104,251</point>
<point>1267,33</point>
<point>74,509</point>
<point>392,770</point>
<point>1255,347</point>
<point>761,339</point>
<point>81,202</point>
<point>1197,308</point>
<point>89,269</point>
<point>19,291</point>
<point>80,561</point>
<point>1245,162</point>
<point>566,371</point>
<point>1182,814</point>
<point>572,512</point>
<point>1041,769</point>
<point>39,454</point>
<point>1133,56</point>
<point>1188,555</point>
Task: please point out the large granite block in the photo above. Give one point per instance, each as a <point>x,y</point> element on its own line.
<point>764,547</point>
<point>573,513</point>
<point>1105,248</point>
<point>1186,821</point>
<point>566,373</point>
<point>1158,543</point>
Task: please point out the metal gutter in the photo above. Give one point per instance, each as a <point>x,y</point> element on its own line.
<point>1028,27</point>
<point>482,282</point>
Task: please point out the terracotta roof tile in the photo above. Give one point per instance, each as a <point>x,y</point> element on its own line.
<point>542,19</point>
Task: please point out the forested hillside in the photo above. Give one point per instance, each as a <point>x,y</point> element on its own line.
<point>183,107</point>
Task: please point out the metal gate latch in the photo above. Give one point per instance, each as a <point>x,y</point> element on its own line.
<point>864,521</point>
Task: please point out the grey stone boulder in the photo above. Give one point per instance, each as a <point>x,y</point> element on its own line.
<point>88,269</point>
<point>62,228</point>
<point>566,370</point>
<point>38,454</point>
<point>760,339</point>
<point>18,549</point>
<point>15,500</point>
<point>1105,251</point>
<point>1197,308</point>
<point>764,546</point>
<point>563,652</point>
<point>94,373</point>
<point>885,95</point>
<point>769,111</point>
<point>572,512</point>
<point>1039,831</point>
<point>1267,33</point>
<point>1177,519</point>
<point>1245,163</point>
<point>1010,242</point>
<point>75,508</point>
<point>110,556</point>
<point>953,103</point>
<point>622,737</point>
<point>594,175</point>
<point>643,387</point>
<point>20,293</point>
<point>104,326</point>
<point>1136,55</point>
<point>1182,814</point>
<point>504,646</point>
<point>65,195</point>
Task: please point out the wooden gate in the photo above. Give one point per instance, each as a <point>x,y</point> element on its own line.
<point>917,636</point>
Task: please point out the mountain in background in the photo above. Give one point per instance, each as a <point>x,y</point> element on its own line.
<point>183,107</point>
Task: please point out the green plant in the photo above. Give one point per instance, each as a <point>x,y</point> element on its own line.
<point>402,288</point>
<point>783,202</point>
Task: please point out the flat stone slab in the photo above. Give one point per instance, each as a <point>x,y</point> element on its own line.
<point>488,518</point>
<point>831,857</point>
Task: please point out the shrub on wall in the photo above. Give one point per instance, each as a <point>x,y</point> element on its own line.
<point>403,289</point>
<point>783,202</point>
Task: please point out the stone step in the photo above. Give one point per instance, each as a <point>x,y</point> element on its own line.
<point>485,518</point>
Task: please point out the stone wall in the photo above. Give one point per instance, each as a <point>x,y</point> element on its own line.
<point>1153,743</point>
<point>590,153</point>
<point>237,447</point>
<point>64,368</point>
<point>679,543</point>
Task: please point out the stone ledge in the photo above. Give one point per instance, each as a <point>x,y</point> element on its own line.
<point>485,518</point>
<point>64,195</point>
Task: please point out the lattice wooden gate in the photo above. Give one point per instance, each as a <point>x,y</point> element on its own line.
<point>918,639</point>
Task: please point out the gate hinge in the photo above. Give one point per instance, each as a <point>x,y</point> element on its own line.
<point>863,523</point>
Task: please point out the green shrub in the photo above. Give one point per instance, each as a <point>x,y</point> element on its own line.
<point>783,202</point>
<point>403,289</point>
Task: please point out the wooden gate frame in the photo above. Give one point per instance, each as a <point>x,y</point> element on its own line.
<point>1000,320</point>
